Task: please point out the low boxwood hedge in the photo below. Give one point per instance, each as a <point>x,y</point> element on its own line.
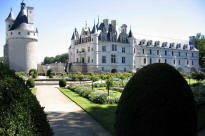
<point>20,112</point>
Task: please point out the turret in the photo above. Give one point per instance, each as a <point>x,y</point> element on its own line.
<point>9,21</point>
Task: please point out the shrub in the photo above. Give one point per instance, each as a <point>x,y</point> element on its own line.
<point>30,83</point>
<point>62,82</point>
<point>156,101</point>
<point>33,73</point>
<point>51,73</point>
<point>20,112</point>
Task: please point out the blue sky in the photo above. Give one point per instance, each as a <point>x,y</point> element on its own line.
<point>153,19</point>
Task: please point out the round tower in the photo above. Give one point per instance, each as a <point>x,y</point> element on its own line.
<point>22,40</point>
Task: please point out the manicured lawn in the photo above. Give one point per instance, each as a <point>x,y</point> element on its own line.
<point>115,93</point>
<point>103,113</point>
<point>33,90</point>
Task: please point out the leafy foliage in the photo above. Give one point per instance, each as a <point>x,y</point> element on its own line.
<point>51,73</point>
<point>109,83</point>
<point>62,82</point>
<point>200,45</point>
<point>33,73</point>
<point>63,58</point>
<point>30,83</point>
<point>20,112</point>
<point>156,101</point>
<point>101,98</point>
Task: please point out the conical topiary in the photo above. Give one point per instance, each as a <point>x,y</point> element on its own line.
<point>157,101</point>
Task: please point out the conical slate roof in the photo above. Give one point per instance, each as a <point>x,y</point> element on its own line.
<point>10,17</point>
<point>21,18</point>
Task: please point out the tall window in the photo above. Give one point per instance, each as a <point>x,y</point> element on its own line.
<point>186,53</point>
<point>88,49</point>
<point>157,52</point>
<point>83,60</point>
<point>165,61</point>
<point>77,60</point>
<point>172,53</point>
<point>165,53</point>
<point>114,47</point>
<point>192,54</point>
<point>123,49</point>
<point>174,61</point>
<point>150,60</point>
<point>123,59</point>
<point>150,52</point>
<point>145,61</point>
<point>179,54</point>
<point>88,59</point>
<point>179,62</point>
<point>77,51</point>
<point>103,59</point>
<point>192,62</point>
<point>103,48</point>
<point>113,59</point>
<point>143,51</point>
<point>187,62</point>
<point>159,61</point>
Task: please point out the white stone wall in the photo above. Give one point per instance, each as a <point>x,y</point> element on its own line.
<point>22,54</point>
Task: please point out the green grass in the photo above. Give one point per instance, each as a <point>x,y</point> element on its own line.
<point>33,90</point>
<point>103,113</point>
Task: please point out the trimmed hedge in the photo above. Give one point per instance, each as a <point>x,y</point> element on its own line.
<point>30,83</point>
<point>62,82</point>
<point>156,101</point>
<point>20,112</point>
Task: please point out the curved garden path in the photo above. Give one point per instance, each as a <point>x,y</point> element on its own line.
<point>65,117</point>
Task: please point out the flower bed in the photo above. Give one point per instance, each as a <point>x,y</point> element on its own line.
<point>96,96</point>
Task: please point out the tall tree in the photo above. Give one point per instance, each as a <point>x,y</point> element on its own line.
<point>200,45</point>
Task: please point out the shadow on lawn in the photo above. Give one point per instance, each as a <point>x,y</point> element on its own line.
<point>74,124</point>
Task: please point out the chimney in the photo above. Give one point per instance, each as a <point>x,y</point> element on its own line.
<point>113,22</point>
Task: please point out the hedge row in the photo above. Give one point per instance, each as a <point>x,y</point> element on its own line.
<point>20,112</point>
<point>87,92</point>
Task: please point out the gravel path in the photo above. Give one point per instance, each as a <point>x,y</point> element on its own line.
<point>65,117</point>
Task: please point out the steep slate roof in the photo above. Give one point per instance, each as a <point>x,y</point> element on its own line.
<point>130,33</point>
<point>21,18</point>
<point>10,17</point>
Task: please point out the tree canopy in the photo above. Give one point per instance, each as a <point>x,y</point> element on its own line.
<point>200,45</point>
<point>63,58</point>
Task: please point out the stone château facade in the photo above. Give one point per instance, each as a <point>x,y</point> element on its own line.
<point>21,41</point>
<point>107,48</point>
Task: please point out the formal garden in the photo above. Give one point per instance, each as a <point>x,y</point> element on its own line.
<point>100,99</point>
<point>101,95</point>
